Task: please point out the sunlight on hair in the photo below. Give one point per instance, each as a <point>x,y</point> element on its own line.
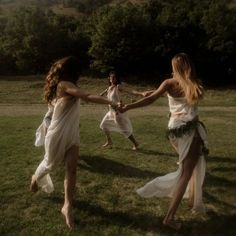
<point>184,72</point>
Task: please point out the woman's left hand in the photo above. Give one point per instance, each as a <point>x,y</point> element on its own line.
<point>114,106</point>
<point>122,108</point>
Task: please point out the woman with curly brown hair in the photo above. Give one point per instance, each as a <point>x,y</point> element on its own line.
<point>62,134</point>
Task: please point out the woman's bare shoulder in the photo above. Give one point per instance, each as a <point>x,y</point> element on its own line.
<point>120,86</point>
<point>65,83</point>
<point>170,81</point>
<point>174,88</point>
<point>62,87</point>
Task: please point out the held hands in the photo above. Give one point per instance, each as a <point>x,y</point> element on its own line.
<point>119,107</point>
<point>144,94</point>
<point>114,106</point>
<point>147,93</point>
<point>122,108</point>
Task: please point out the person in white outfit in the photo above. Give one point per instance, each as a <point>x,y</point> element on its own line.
<point>114,121</point>
<point>186,133</point>
<point>59,132</point>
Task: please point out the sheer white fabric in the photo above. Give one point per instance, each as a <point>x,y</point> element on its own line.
<point>42,129</point>
<point>114,120</point>
<point>62,133</point>
<point>164,186</point>
<point>181,112</point>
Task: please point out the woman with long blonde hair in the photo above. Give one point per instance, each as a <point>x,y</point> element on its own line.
<point>186,133</point>
<point>59,132</point>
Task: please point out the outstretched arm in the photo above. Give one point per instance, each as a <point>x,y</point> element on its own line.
<point>74,91</point>
<point>147,93</point>
<point>103,92</point>
<point>123,88</point>
<point>147,100</point>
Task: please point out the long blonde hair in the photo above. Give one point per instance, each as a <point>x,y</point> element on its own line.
<point>67,69</point>
<point>184,72</point>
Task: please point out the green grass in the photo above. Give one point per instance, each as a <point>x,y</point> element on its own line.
<point>105,200</point>
<point>29,90</point>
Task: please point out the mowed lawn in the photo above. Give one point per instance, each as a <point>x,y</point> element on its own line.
<point>105,199</point>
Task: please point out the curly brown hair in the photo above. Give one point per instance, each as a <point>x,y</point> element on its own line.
<point>65,69</point>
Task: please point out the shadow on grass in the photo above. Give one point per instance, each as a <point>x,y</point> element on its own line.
<point>93,215</point>
<point>152,223</point>
<point>217,225</point>
<point>224,169</point>
<point>221,159</point>
<point>120,218</point>
<point>97,215</point>
<point>213,201</point>
<point>212,180</point>
<point>106,166</point>
<point>156,153</point>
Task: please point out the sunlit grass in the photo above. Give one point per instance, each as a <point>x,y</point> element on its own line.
<point>105,200</point>
<point>29,90</point>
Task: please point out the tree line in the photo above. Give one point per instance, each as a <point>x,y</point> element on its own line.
<point>131,39</point>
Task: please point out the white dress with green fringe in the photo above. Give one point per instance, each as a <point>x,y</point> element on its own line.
<point>184,128</point>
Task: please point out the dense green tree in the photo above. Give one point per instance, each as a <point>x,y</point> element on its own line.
<point>77,41</point>
<point>177,29</point>
<point>204,29</point>
<point>29,39</point>
<point>219,24</point>
<point>90,6</point>
<point>125,37</point>
<point>34,39</point>
<point>120,39</point>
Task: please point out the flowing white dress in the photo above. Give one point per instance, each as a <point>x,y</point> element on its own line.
<point>42,129</point>
<point>62,133</point>
<point>114,120</point>
<point>164,186</point>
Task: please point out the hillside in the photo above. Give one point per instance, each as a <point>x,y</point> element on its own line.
<point>65,7</point>
<point>68,7</point>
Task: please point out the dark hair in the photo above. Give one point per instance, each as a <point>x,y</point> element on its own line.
<point>65,69</point>
<point>70,69</point>
<point>118,80</point>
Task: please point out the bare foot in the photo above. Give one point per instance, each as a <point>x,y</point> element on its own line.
<point>190,203</point>
<point>135,147</point>
<point>66,211</point>
<point>172,224</point>
<point>107,144</point>
<point>33,185</point>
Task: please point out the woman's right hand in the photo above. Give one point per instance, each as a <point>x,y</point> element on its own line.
<point>147,93</point>
<point>122,108</point>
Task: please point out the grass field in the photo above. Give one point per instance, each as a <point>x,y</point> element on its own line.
<point>105,200</point>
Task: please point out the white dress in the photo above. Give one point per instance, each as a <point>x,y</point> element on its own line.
<point>42,129</point>
<point>62,133</point>
<point>114,120</point>
<point>164,186</point>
